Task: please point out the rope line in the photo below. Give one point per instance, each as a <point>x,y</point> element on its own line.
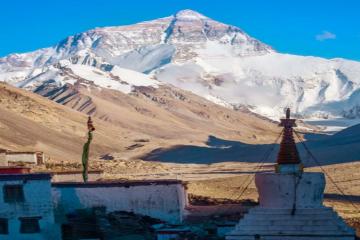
<point>263,160</point>
<point>324,171</point>
<point>259,166</point>
<point>260,163</point>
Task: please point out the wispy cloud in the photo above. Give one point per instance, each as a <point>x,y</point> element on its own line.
<point>325,35</point>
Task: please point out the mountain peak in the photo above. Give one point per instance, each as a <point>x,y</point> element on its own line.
<point>189,14</point>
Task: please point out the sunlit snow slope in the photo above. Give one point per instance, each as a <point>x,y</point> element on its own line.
<point>188,50</point>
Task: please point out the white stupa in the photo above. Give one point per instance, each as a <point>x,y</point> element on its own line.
<point>291,202</point>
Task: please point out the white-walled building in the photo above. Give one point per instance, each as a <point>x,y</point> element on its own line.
<point>161,199</point>
<point>26,207</point>
<point>10,157</point>
<point>36,158</point>
<point>33,208</point>
<point>3,161</point>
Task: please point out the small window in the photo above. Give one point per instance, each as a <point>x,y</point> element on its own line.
<point>29,224</point>
<point>4,226</point>
<point>13,193</point>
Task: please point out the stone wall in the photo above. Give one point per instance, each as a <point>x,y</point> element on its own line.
<point>164,200</point>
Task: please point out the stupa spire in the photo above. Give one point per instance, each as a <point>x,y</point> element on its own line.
<point>291,196</point>
<point>288,153</point>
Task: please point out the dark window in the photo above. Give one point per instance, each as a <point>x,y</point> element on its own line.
<point>13,193</point>
<point>4,226</point>
<point>29,224</point>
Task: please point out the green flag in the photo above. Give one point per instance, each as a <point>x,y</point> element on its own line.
<point>85,156</point>
<point>86,150</point>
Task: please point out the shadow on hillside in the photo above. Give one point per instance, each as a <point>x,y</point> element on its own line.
<point>217,150</point>
<point>346,198</point>
<point>220,150</point>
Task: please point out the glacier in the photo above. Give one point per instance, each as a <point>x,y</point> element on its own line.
<point>190,51</point>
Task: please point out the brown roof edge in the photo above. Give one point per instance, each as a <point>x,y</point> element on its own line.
<point>29,176</point>
<point>13,153</point>
<point>74,172</point>
<point>116,183</point>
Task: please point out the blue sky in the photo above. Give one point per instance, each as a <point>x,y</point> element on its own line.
<point>326,28</point>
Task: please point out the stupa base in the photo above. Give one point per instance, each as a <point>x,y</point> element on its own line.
<point>285,224</point>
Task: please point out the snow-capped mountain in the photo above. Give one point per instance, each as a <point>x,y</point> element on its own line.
<point>190,51</point>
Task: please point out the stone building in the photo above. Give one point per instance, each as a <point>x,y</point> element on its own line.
<point>26,206</point>
<point>291,202</point>
<point>13,158</point>
<point>160,199</point>
<point>3,161</point>
<point>33,208</point>
<point>36,158</point>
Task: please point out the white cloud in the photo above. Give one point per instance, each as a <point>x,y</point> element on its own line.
<point>325,35</point>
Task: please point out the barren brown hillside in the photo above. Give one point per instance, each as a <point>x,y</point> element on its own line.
<point>155,117</point>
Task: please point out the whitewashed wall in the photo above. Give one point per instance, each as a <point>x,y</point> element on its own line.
<point>3,160</point>
<point>158,200</point>
<point>22,157</point>
<point>38,202</point>
<point>285,190</point>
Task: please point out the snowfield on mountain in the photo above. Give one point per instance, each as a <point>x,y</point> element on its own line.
<point>193,52</point>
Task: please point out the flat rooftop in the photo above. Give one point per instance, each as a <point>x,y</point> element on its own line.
<point>28,176</point>
<point>128,183</point>
<point>69,172</point>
